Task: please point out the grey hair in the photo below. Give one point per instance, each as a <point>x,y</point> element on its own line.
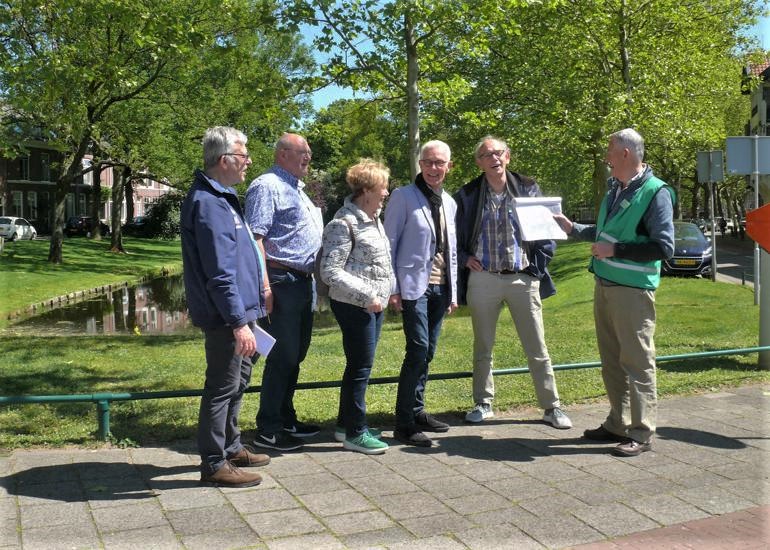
<point>218,141</point>
<point>436,144</point>
<point>483,140</point>
<point>630,139</point>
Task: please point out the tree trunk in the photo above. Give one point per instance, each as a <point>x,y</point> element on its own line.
<point>116,243</point>
<point>96,202</point>
<point>412,97</point>
<point>63,187</point>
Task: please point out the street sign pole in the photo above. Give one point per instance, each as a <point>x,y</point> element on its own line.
<point>711,170</point>
<point>755,175</point>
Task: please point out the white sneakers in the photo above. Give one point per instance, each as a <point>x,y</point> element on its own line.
<point>556,418</point>
<point>480,412</point>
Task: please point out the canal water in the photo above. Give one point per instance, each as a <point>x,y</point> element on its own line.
<point>155,307</point>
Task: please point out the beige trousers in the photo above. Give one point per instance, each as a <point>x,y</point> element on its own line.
<point>625,326</point>
<point>487,292</point>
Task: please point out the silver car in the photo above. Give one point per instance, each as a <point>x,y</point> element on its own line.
<point>16,228</point>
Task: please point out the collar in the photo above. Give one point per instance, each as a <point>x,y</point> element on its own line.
<point>287,176</point>
<point>215,184</point>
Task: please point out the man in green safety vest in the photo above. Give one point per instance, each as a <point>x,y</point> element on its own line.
<point>633,233</point>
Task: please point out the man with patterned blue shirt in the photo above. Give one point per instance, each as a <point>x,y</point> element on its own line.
<point>288,228</point>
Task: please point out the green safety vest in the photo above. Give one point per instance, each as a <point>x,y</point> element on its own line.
<point>622,228</point>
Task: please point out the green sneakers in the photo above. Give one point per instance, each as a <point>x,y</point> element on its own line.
<point>365,443</point>
<point>339,433</point>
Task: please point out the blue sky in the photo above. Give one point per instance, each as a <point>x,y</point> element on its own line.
<point>331,93</point>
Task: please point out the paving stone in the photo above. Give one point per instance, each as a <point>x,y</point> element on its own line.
<point>263,500</point>
<point>378,538</point>
<point>58,513</point>
<point>336,502</point>
<point>410,505</point>
<point>9,532</point>
<point>713,500</point>
<point>108,470</point>
<point>551,471</point>
<point>136,516</point>
<point>201,520</point>
<point>356,522</point>
<point>666,509</point>
<point>544,507</point>
<point>477,502</point>
<point>152,538</point>
<point>487,470</point>
<point>499,537</point>
<point>389,484</point>
<point>757,491</point>
<point>316,542</point>
<point>355,469</point>
<point>313,483</point>
<point>520,487</point>
<point>560,531</point>
<point>241,537</point>
<point>106,492</point>
<point>614,520</point>
<point>66,491</point>
<point>426,469</point>
<point>452,487</point>
<point>82,535</point>
<point>621,470</point>
<point>285,523</point>
<point>592,490</point>
<point>191,497</point>
<point>430,543</point>
<point>294,465</point>
<point>515,515</point>
<point>8,508</point>
<point>436,525</point>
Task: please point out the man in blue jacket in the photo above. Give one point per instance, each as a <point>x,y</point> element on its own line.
<point>224,288</point>
<point>499,267</point>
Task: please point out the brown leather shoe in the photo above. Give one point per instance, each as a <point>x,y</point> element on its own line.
<point>245,458</point>
<point>230,475</point>
<point>632,448</point>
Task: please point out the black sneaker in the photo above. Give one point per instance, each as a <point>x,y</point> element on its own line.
<point>429,423</point>
<point>300,429</point>
<point>602,434</point>
<point>418,439</point>
<point>280,442</point>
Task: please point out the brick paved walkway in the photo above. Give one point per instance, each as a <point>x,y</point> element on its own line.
<point>511,482</point>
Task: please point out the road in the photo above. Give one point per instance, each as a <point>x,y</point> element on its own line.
<point>735,260</point>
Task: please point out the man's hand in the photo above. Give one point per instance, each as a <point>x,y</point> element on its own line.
<point>473,264</point>
<point>375,306</point>
<point>602,250</point>
<point>451,309</point>
<point>268,300</point>
<point>395,302</point>
<point>564,223</point>
<point>245,343</point>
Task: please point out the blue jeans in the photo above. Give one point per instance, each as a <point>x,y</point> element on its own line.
<point>422,320</point>
<point>227,377</point>
<point>360,333</point>
<point>291,324</point>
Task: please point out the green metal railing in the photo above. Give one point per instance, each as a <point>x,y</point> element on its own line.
<point>103,400</point>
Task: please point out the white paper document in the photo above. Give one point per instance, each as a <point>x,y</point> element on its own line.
<point>265,342</point>
<point>535,216</point>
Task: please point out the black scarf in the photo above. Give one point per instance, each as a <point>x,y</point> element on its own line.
<point>434,200</point>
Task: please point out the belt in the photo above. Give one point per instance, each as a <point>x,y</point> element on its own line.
<point>280,266</point>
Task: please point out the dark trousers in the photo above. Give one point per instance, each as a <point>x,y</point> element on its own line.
<point>291,324</point>
<point>422,320</point>
<point>227,377</point>
<point>360,333</point>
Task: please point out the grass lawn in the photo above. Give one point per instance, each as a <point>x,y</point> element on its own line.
<point>693,315</point>
<point>26,276</point>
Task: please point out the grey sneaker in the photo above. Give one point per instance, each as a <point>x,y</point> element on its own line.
<point>480,412</point>
<point>556,418</point>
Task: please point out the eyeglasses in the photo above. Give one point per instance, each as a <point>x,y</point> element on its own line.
<point>303,152</point>
<point>241,155</point>
<point>489,154</point>
<point>433,163</point>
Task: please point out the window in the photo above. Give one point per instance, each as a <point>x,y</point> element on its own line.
<point>17,208</point>
<point>82,205</point>
<point>32,205</point>
<point>69,205</point>
<point>24,168</point>
<point>45,167</point>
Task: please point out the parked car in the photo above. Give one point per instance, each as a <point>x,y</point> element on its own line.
<point>136,227</point>
<point>701,223</point>
<point>83,225</point>
<point>692,251</point>
<point>16,228</point>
